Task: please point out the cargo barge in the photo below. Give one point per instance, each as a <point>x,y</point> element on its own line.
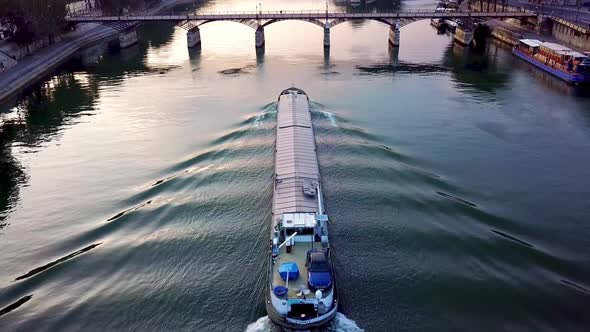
<point>301,291</point>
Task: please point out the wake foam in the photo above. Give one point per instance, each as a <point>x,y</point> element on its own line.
<point>330,116</point>
<point>258,119</point>
<point>340,323</point>
<point>263,324</point>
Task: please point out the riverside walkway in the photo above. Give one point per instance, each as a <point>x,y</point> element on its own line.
<point>35,66</point>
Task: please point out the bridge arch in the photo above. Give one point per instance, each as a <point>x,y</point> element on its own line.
<point>310,20</point>
<point>339,21</point>
<point>255,25</point>
<point>389,22</point>
<point>250,23</point>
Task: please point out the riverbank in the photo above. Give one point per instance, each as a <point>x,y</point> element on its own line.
<point>32,68</point>
<point>509,32</point>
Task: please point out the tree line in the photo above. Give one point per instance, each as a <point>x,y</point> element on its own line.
<point>29,20</point>
<point>117,6</point>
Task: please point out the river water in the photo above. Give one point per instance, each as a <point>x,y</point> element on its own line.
<point>136,184</point>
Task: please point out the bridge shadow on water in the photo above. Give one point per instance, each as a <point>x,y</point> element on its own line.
<point>395,65</point>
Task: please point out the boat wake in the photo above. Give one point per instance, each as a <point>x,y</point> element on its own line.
<point>320,111</point>
<point>263,324</point>
<point>341,323</point>
<point>258,119</point>
<point>331,117</point>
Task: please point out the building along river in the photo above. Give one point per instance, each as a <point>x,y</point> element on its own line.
<point>136,184</point>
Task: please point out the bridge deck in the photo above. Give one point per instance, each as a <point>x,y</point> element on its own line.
<point>285,15</point>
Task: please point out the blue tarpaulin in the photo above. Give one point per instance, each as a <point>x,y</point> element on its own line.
<point>280,290</point>
<point>291,268</point>
<point>320,280</point>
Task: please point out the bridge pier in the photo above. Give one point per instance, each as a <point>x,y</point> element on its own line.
<point>193,37</point>
<point>128,38</point>
<point>394,35</point>
<point>464,35</point>
<point>326,37</point>
<point>259,37</point>
<point>544,25</point>
<point>393,54</point>
<point>260,55</point>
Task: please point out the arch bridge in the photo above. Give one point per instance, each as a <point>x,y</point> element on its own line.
<point>258,20</point>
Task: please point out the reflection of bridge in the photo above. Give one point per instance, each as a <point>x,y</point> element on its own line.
<point>258,20</point>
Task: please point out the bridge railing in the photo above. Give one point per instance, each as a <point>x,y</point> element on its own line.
<point>300,13</point>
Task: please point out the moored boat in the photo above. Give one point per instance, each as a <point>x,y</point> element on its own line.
<point>302,291</point>
<point>506,35</point>
<point>437,23</point>
<point>441,23</point>
<point>451,25</point>
<point>561,61</point>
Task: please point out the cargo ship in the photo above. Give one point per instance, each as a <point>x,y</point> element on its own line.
<point>302,291</point>
<point>561,61</point>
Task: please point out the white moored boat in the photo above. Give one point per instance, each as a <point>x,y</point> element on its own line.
<point>301,287</point>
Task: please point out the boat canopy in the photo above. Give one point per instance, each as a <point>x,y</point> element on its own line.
<point>555,47</point>
<point>531,42</point>
<point>576,55</point>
